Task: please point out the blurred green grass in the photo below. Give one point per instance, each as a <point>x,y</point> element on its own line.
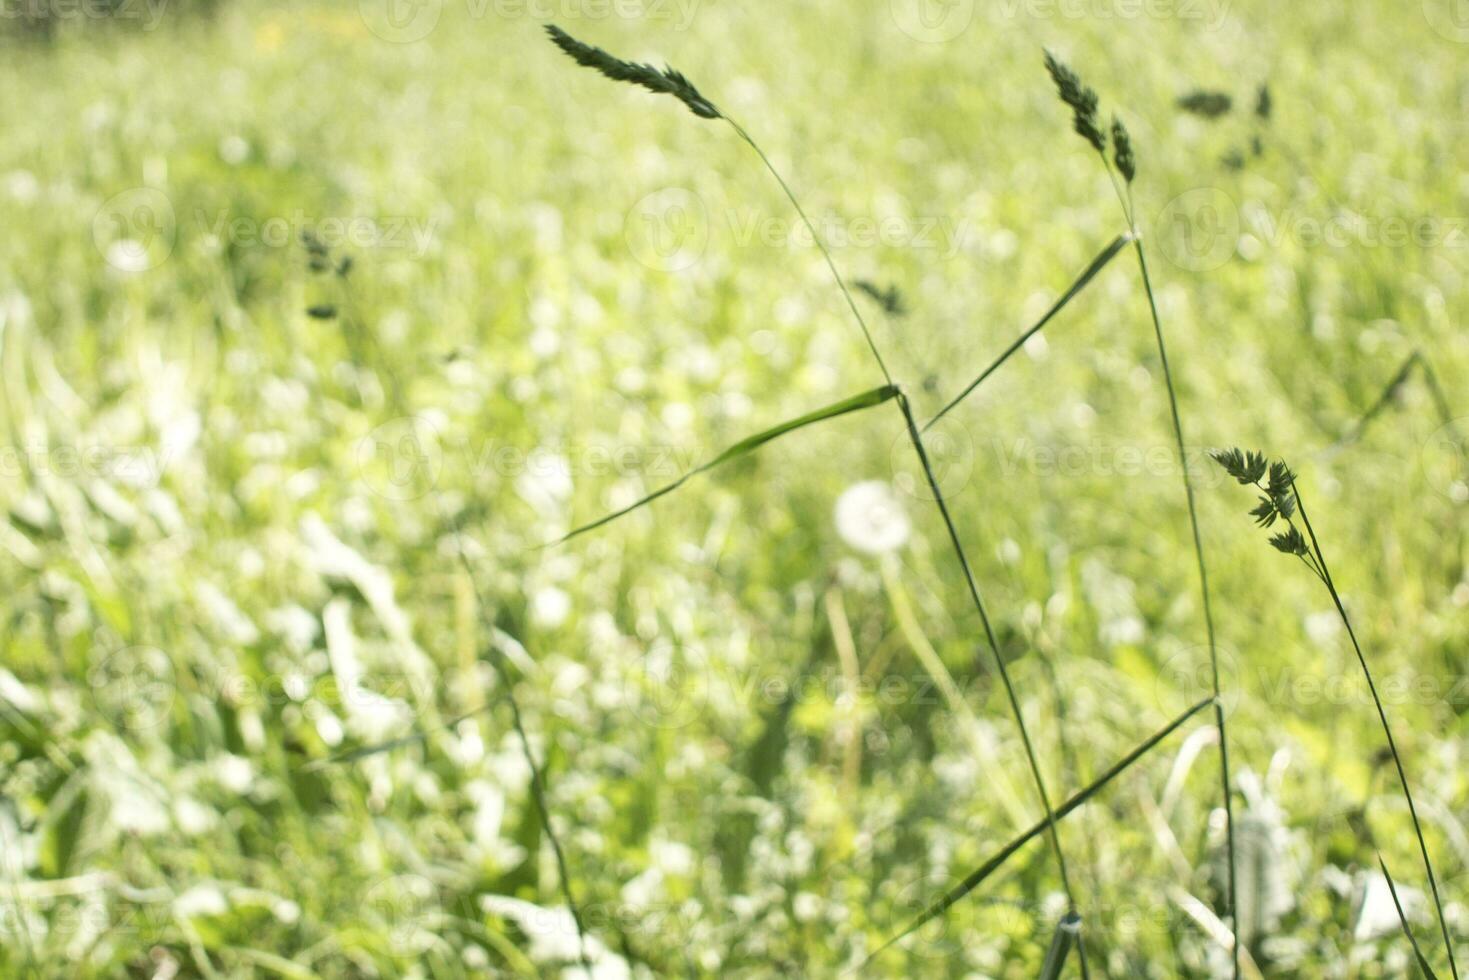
<point>225,559</point>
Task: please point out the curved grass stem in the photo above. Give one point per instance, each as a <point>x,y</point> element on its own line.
<point>1392,744</point>
<point>1203,568</point>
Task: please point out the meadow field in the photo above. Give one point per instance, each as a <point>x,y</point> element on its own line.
<point>321,323</point>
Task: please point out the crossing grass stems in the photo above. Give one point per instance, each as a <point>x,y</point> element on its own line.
<point>1122,164</point>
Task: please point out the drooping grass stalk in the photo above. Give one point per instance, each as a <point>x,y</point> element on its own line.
<point>1326,579</point>
<point>1281,501</point>
<point>670,82</point>
<point>1083,102</point>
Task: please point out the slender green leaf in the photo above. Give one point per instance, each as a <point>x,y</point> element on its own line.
<point>989,867</point>
<point>856,403</point>
<point>1088,274</point>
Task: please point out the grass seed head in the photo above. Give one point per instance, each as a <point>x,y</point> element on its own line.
<point>1210,105</point>
<point>1245,467</point>
<point>1081,99</point>
<point>666,82</point>
<point>1289,542</point>
<point>890,299</point>
<point>1122,150</point>
<point>1278,497</point>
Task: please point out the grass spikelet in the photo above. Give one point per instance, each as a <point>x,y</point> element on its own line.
<point>1210,105</point>
<point>665,82</point>
<point>1081,99</point>
<point>890,299</point>
<point>1122,154</point>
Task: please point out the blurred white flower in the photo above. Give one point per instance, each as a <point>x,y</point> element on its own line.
<point>545,481</point>
<point>549,607</point>
<point>870,517</point>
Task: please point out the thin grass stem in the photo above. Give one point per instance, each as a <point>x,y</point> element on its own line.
<point>1386,728</point>
<point>1193,519</point>
<point>825,253</point>
<point>917,439</point>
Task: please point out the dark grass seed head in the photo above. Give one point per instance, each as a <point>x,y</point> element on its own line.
<point>1210,105</point>
<point>1081,99</point>
<point>665,82</point>
<point>890,299</point>
<point>1278,500</point>
<point>1122,153</point>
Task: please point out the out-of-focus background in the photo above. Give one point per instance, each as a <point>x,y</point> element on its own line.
<point>297,298</point>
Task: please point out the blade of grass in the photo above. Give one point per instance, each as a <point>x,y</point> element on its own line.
<point>856,403</point>
<point>1088,274</point>
<point>1403,919</point>
<point>978,875</point>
